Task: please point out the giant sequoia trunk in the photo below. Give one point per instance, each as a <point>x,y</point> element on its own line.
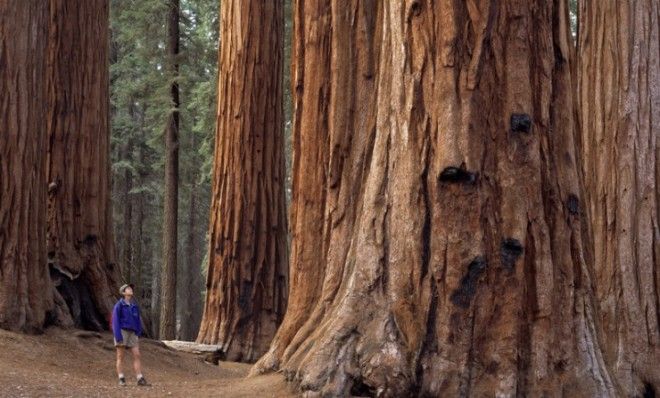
<point>437,241</point>
<point>25,288</point>
<point>619,102</point>
<point>80,243</point>
<point>247,275</point>
<point>170,213</point>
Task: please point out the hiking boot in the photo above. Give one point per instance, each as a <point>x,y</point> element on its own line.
<point>122,381</point>
<point>142,382</point>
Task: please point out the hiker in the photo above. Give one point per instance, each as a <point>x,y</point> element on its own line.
<point>127,327</point>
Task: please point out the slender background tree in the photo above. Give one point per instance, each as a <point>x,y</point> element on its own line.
<point>171,200</point>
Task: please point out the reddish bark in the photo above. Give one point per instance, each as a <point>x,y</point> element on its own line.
<point>80,241</point>
<point>25,288</point>
<point>437,240</point>
<point>619,96</point>
<point>247,276</point>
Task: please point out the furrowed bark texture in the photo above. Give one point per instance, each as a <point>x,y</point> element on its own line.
<point>247,276</point>
<point>311,55</point>
<point>619,104</point>
<point>171,211</point>
<point>25,288</point>
<point>80,241</point>
<point>437,241</point>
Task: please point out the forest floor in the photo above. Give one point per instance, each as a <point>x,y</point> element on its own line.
<point>66,363</point>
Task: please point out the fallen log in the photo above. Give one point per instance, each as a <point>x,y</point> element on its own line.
<point>192,347</point>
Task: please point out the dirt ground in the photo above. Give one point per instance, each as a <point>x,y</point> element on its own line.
<point>60,363</point>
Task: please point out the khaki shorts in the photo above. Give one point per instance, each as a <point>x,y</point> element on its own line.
<point>129,339</point>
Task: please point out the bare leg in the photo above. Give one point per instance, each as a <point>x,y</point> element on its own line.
<point>137,365</point>
<point>120,359</point>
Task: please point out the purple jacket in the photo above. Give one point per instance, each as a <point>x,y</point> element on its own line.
<point>126,316</point>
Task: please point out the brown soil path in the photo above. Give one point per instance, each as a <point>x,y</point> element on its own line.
<point>60,363</point>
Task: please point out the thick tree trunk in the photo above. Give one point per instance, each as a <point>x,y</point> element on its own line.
<point>170,214</point>
<point>437,240</point>
<point>25,288</point>
<point>247,275</point>
<point>619,102</point>
<point>80,243</point>
<point>311,87</point>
